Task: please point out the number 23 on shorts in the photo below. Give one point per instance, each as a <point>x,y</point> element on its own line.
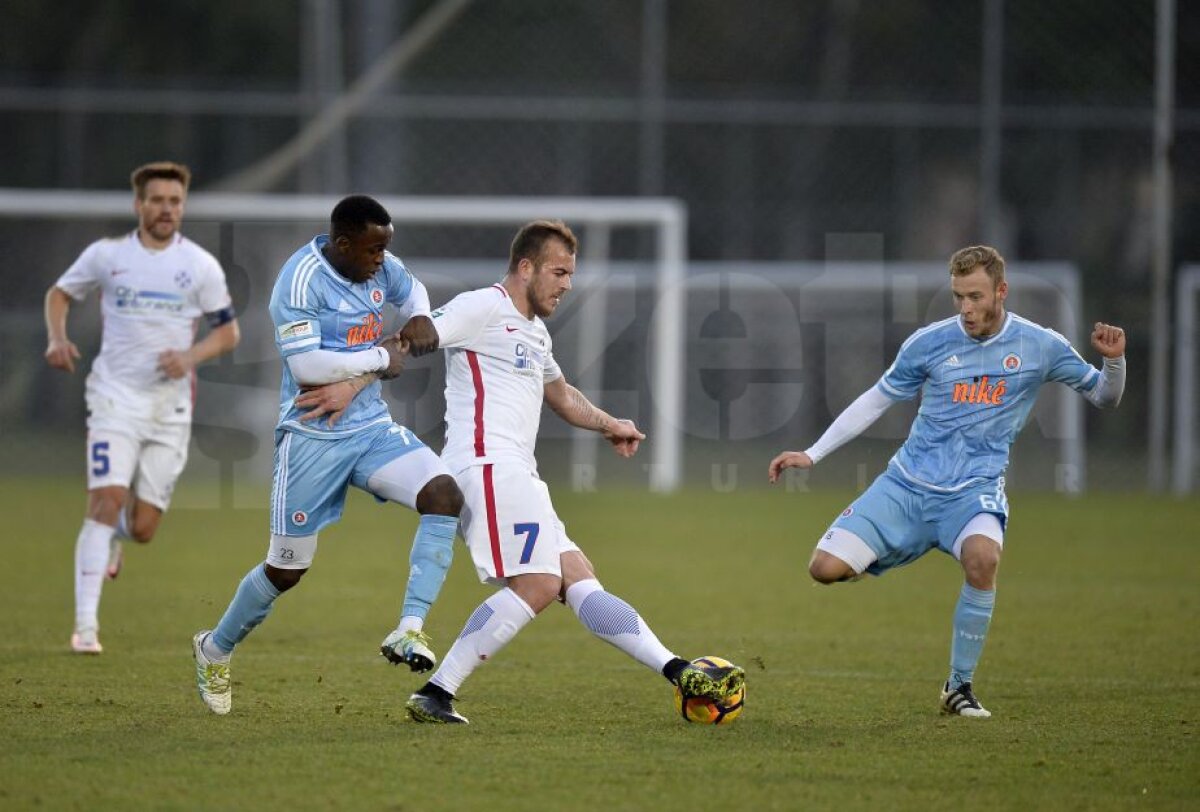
<point>531,530</point>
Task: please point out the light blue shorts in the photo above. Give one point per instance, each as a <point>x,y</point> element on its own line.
<point>308,490</point>
<point>901,522</point>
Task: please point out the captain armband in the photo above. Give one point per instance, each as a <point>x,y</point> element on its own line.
<point>220,317</point>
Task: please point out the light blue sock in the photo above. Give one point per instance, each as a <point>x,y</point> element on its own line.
<point>249,607</point>
<point>432,552</point>
<point>971,618</point>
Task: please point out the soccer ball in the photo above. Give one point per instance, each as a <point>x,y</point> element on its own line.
<point>705,711</point>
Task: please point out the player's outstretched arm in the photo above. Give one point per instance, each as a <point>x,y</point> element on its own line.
<point>853,421</point>
<point>61,353</point>
<point>572,406</point>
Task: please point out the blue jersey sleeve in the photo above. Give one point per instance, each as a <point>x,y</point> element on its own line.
<point>295,307</point>
<point>904,378</point>
<point>1065,365</point>
<point>400,280</point>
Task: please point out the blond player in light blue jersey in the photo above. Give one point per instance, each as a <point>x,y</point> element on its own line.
<point>978,375</point>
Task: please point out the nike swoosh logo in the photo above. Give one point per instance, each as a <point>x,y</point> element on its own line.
<point>510,329</point>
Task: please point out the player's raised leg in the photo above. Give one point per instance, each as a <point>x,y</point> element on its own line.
<point>614,621</point>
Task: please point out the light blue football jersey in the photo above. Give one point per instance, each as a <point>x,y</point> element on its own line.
<point>975,396</point>
<point>315,307</point>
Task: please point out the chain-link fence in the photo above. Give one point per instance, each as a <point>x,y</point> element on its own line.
<point>926,125</point>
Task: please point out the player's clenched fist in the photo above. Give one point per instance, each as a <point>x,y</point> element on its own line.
<point>421,336</point>
<point>397,350</point>
<point>787,459</point>
<point>1109,341</point>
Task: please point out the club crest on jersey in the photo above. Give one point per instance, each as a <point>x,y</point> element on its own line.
<point>299,518</point>
<point>981,391</point>
<point>368,332</point>
<point>521,359</point>
<point>183,279</point>
<point>1011,362</point>
<point>377,296</point>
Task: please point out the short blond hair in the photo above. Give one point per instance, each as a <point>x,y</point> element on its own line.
<point>158,170</point>
<point>966,260</point>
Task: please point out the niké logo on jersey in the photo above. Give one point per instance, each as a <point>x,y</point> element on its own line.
<point>366,333</point>
<point>980,391</point>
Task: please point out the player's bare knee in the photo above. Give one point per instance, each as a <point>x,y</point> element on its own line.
<point>105,505</point>
<point>441,496</point>
<point>143,533</point>
<point>538,590</point>
<point>982,574</point>
<point>281,579</point>
<point>823,573</point>
<point>828,569</point>
<point>980,561</point>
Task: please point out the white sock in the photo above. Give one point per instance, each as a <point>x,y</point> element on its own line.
<point>121,532</point>
<point>212,651</point>
<point>617,623</point>
<point>91,559</point>
<point>411,623</point>
<point>493,623</point>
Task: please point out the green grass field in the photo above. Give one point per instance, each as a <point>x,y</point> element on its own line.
<point>1092,669</point>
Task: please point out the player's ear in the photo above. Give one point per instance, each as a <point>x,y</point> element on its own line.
<point>1002,290</point>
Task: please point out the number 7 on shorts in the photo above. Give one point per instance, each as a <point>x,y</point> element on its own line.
<point>531,530</point>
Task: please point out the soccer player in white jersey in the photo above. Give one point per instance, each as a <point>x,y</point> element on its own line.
<point>500,368</point>
<point>327,307</point>
<point>978,374</point>
<point>154,286</point>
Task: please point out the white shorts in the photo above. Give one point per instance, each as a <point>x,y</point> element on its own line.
<point>509,523</point>
<point>146,456</point>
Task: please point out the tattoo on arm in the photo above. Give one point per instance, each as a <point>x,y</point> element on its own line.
<point>361,382</point>
<point>583,413</point>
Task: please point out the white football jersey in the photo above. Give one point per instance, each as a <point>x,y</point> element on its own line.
<point>150,301</point>
<point>497,365</point>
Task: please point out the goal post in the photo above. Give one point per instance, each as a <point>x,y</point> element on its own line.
<point>592,218</point>
<point>1186,339</point>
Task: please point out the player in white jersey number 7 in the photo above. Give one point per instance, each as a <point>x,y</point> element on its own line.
<point>978,374</point>
<point>500,367</point>
<point>154,286</point>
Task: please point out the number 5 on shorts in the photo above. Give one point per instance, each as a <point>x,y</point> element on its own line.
<point>100,464</point>
<point>531,530</point>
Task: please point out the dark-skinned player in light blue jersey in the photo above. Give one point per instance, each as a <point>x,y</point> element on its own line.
<point>327,309</point>
<point>978,375</point>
